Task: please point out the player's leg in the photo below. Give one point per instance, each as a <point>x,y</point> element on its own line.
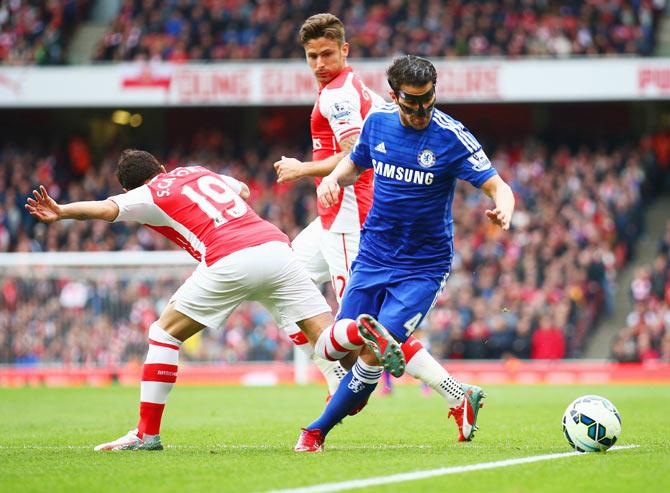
<point>290,294</point>
<point>332,371</point>
<point>421,364</point>
<point>334,251</point>
<point>463,400</point>
<point>159,374</point>
<point>306,248</point>
<point>353,392</point>
<point>307,251</point>
<point>206,298</point>
<point>339,251</point>
<point>408,302</point>
<point>364,292</point>
<point>292,297</point>
<point>424,367</point>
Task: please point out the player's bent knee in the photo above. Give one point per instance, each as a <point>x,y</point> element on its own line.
<point>177,324</point>
<point>313,327</point>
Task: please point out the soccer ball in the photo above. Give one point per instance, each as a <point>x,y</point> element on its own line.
<point>591,424</point>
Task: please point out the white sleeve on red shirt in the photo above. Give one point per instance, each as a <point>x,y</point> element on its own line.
<point>138,205</point>
<point>232,183</point>
<point>342,108</point>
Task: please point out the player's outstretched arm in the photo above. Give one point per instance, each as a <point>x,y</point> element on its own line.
<point>45,209</point>
<point>501,193</point>
<point>291,169</point>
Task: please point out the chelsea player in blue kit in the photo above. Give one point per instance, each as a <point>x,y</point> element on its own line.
<point>417,153</point>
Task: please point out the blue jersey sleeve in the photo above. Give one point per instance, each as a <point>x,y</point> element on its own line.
<point>360,154</point>
<point>468,161</point>
<point>475,168</point>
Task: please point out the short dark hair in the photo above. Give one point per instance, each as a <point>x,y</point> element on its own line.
<point>135,167</point>
<point>322,26</point>
<point>410,70</point>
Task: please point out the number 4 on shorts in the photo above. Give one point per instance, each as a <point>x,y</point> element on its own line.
<point>411,324</point>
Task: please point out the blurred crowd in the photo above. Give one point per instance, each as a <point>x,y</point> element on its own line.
<point>70,175</point>
<point>646,336</point>
<point>101,316</point>
<point>535,292</point>
<point>182,30</point>
<point>37,31</point>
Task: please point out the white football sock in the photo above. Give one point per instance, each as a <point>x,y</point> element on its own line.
<point>332,371</point>
<point>425,368</point>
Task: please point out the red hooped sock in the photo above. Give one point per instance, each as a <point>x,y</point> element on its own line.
<point>159,375</point>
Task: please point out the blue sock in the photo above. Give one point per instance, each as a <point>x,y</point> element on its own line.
<point>354,388</point>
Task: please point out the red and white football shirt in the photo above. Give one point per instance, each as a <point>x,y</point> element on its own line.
<point>339,112</point>
<point>199,210</point>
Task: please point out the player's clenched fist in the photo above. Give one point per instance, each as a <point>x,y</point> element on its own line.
<point>288,169</point>
<point>328,192</point>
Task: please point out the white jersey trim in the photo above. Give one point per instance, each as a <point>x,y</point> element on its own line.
<point>138,205</point>
<point>465,137</point>
<point>386,108</point>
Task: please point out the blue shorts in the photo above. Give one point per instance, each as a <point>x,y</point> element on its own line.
<point>398,299</point>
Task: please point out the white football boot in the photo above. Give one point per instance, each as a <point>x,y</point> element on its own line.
<point>130,441</point>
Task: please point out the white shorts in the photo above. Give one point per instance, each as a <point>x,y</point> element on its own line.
<point>268,273</point>
<point>327,256</point>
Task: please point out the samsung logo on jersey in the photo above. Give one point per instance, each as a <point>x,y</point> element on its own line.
<point>399,173</point>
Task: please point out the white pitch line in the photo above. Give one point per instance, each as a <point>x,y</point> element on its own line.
<point>443,471</point>
<point>222,447</point>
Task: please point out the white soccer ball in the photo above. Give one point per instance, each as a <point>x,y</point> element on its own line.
<point>591,424</point>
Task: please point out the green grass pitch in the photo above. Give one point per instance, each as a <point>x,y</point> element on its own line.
<point>241,439</point>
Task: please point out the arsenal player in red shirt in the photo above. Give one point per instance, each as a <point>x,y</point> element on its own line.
<point>241,257</point>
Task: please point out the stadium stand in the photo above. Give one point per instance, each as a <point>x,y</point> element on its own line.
<point>533,294</point>
<point>216,30</point>
<point>536,293</point>
<point>37,32</point>
<point>646,336</point>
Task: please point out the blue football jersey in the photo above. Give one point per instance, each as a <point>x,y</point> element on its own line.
<point>410,225</point>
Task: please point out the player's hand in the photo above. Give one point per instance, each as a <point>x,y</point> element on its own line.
<point>288,169</point>
<point>328,191</point>
<point>499,217</point>
<point>42,207</point>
